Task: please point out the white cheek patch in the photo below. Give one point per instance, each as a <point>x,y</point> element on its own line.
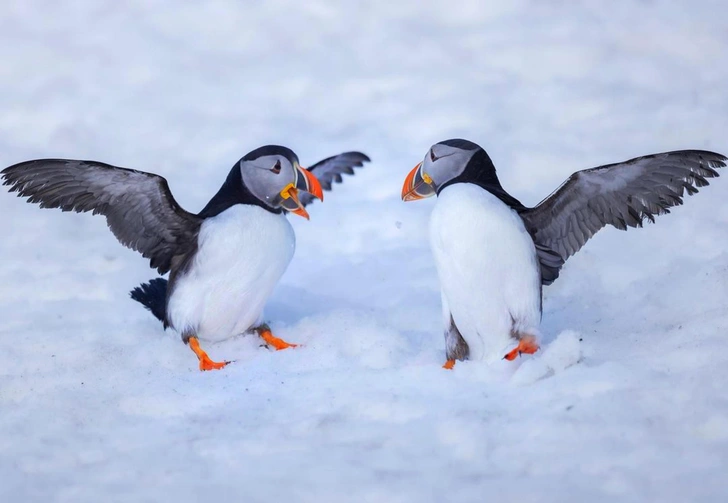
<point>263,182</point>
<point>449,163</point>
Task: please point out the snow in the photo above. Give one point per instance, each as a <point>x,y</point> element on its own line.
<point>626,402</point>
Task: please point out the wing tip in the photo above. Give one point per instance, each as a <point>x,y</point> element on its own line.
<point>364,157</point>
<point>359,157</point>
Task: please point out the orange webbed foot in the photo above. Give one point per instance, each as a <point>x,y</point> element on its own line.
<point>449,365</point>
<point>274,341</point>
<point>526,345</point>
<point>205,362</point>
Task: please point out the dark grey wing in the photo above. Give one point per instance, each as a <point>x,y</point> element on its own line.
<point>623,195</point>
<point>138,206</point>
<point>329,171</point>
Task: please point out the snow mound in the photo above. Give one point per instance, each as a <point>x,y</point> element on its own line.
<point>556,357</point>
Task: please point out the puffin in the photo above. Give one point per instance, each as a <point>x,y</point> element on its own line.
<point>224,261</point>
<point>493,255</point>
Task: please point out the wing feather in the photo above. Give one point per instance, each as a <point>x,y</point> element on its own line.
<point>622,195</point>
<point>138,206</point>
<point>329,171</point>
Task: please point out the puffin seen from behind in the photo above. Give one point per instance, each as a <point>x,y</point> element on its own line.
<point>493,254</point>
<point>224,261</point>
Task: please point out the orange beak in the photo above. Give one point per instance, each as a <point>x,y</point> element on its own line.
<point>416,185</point>
<point>309,183</point>
<point>291,194</point>
<point>304,181</point>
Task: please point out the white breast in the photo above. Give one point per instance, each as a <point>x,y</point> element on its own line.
<point>242,253</point>
<point>488,269</point>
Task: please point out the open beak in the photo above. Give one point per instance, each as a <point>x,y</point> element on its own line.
<point>417,185</point>
<point>304,181</point>
<point>309,183</point>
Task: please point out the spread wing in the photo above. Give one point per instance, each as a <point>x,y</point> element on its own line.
<point>329,171</point>
<point>623,195</point>
<point>138,206</point>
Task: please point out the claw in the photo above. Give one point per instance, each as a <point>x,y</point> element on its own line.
<point>205,362</point>
<point>526,345</point>
<point>449,365</point>
<point>274,341</point>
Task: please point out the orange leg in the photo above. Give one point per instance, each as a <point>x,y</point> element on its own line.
<point>449,364</point>
<point>272,340</point>
<point>527,345</point>
<point>205,362</point>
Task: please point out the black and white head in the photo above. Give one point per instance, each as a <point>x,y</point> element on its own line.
<point>273,175</point>
<point>449,162</point>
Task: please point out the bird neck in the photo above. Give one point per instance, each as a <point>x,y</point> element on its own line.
<point>233,192</point>
<point>481,172</point>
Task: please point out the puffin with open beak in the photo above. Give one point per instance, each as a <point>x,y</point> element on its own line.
<point>493,254</point>
<point>223,261</point>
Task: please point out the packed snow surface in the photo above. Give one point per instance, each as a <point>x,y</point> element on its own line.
<point>628,399</point>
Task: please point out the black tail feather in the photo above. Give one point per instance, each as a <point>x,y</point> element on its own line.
<point>153,296</point>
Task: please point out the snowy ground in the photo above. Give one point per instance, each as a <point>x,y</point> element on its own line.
<point>628,400</point>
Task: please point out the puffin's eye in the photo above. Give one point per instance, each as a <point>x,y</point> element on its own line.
<point>433,157</point>
<point>277,168</point>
